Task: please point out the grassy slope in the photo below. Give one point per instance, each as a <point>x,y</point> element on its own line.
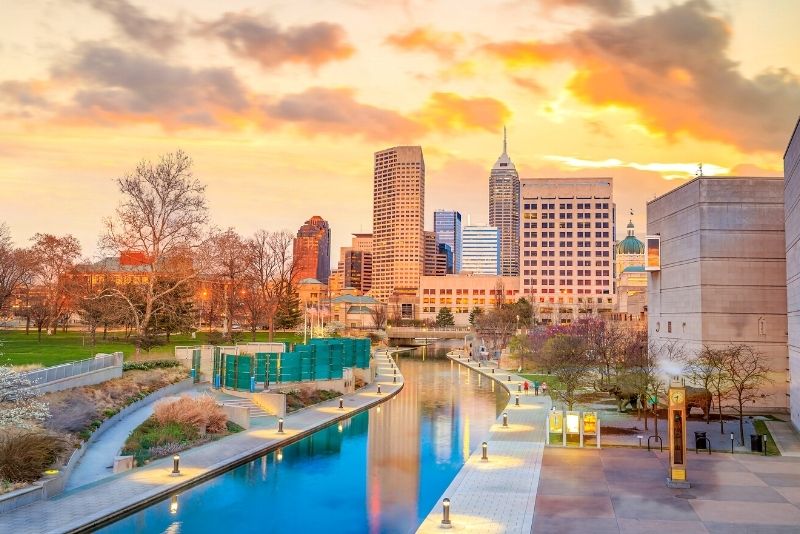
<point>18,349</point>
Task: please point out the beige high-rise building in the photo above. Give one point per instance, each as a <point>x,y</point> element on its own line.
<point>504,211</point>
<point>721,278</point>
<point>398,220</point>
<point>567,246</point>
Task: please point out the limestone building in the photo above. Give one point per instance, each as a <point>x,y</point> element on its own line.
<point>631,278</point>
<point>504,210</point>
<point>791,166</point>
<point>722,276</point>
<point>398,217</point>
<point>463,292</point>
<point>567,246</point>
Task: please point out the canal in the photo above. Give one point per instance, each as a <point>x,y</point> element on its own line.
<point>380,471</point>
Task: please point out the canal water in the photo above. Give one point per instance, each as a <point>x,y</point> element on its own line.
<point>380,471</point>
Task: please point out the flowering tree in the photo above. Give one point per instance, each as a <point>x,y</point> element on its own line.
<point>20,405</point>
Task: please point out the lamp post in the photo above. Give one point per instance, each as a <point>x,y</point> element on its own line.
<point>505,419</point>
<point>176,466</point>
<point>485,448</point>
<point>446,513</point>
<point>280,425</point>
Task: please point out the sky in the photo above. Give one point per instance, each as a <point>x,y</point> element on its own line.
<point>282,104</point>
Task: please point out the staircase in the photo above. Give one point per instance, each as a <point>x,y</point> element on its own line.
<point>253,409</point>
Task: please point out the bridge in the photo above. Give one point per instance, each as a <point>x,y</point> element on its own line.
<point>418,335</point>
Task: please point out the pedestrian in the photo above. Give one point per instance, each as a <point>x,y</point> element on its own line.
<point>544,388</point>
<point>536,387</point>
<point>525,387</point>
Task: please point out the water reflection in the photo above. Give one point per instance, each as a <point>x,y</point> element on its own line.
<point>380,471</point>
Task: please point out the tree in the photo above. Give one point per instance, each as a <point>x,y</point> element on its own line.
<point>231,266</point>
<point>288,313</point>
<point>520,346</point>
<point>380,316</point>
<point>524,310</point>
<point>53,260</point>
<point>709,369</point>
<point>20,405</point>
<point>15,266</point>
<point>96,305</point>
<point>174,313</point>
<point>747,372</point>
<point>272,268</point>
<point>253,306</point>
<point>474,315</point>
<point>566,359</point>
<point>497,325</point>
<point>640,372</point>
<point>161,217</point>
<point>445,318</point>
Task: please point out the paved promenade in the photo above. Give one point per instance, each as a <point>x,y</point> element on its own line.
<point>499,495</point>
<point>84,507</point>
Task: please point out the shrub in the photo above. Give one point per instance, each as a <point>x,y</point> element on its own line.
<point>152,364</point>
<point>25,455</point>
<point>203,413</point>
<point>152,439</point>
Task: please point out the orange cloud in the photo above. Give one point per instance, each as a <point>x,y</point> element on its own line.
<point>672,68</point>
<point>425,39</point>
<point>449,111</point>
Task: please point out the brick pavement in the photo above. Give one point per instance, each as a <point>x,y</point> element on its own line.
<point>85,506</point>
<point>498,495</point>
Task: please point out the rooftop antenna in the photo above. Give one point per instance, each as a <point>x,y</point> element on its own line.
<point>505,137</point>
<point>699,172</point>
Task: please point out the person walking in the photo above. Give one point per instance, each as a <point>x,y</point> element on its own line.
<point>536,387</point>
<point>525,387</point>
<point>544,388</point>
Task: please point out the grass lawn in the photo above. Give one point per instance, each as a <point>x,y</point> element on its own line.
<point>552,382</point>
<point>761,428</point>
<point>16,348</point>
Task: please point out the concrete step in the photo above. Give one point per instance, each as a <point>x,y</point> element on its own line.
<point>253,409</point>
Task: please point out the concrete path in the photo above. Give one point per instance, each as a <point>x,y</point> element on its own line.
<point>786,437</point>
<point>86,506</point>
<point>613,491</point>
<point>98,461</point>
<point>499,495</point>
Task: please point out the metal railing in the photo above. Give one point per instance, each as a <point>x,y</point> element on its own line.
<point>66,370</point>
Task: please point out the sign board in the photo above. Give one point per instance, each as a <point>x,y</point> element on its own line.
<point>556,422</point>
<point>589,423</point>
<point>652,261</point>
<point>573,422</point>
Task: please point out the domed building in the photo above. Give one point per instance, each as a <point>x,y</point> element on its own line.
<point>631,276</point>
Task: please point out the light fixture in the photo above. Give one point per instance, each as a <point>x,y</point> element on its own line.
<point>176,466</point>
<point>280,425</point>
<point>446,513</point>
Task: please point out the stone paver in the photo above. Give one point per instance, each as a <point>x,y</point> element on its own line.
<point>498,495</point>
<point>786,437</point>
<point>739,493</point>
<point>91,503</point>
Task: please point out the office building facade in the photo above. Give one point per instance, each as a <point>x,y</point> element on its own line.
<point>567,246</point>
<point>504,210</point>
<point>398,217</point>
<point>481,250</point>
<point>447,225</point>
<point>312,250</point>
<point>791,199</point>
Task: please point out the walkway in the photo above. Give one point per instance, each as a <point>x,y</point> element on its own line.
<point>499,495</point>
<point>613,491</point>
<point>85,507</point>
<point>787,439</point>
<point>97,462</point>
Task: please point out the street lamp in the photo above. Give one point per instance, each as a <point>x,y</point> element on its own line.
<point>176,466</point>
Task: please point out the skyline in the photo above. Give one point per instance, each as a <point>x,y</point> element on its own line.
<point>269,101</point>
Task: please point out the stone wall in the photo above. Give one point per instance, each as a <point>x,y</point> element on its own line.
<point>723,271</point>
<point>791,166</point>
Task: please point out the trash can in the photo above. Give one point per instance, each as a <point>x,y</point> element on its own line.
<point>700,441</point>
<point>756,443</point>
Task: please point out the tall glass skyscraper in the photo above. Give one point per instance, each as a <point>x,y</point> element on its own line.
<point>504,210</point>
<point>481,250</point>
<point>447,225</point>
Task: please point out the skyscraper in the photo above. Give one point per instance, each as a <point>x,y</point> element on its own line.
<point>447,225</point>
<point>312,250</point>
<point>398,217</point>
<point>481,250</point>
<point>568,245</point>
<point>504,210</point>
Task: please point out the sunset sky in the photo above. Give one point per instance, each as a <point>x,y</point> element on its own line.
<point>281,104</point>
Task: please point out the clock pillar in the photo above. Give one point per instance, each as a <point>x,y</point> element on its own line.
<point>677,434</point>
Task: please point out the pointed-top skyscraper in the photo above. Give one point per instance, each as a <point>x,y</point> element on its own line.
<point>504,210</point>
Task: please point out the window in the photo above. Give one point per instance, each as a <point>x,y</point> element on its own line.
<point>669,327</point>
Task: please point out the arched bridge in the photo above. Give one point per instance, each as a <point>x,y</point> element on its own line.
<point>418,335</point>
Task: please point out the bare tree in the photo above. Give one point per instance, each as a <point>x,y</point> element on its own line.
<point>566,358</point>
<point>709,369</point>
<point>161,217</point>
<point>230,266</point>
<point>497,325</point>
<point>253,305</point>
<point>747,373</point>
<point>15,267</point>
<point>53,260</point>
<point>380,316</point>
<point>272,270</point>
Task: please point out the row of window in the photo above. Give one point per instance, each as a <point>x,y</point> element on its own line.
<point>566,263</point>
<point>566,253</point>
<point>566,272</point>
<point>565,225</point>
<point>567,206</point>
<point>564,282</point>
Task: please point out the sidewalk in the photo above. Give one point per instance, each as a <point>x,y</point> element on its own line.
<point>786,437</point>
<point>98,461</point>
<point>87,506</point>
<point>499,495</point>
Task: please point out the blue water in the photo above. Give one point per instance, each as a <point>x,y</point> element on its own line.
<point>380,471</point>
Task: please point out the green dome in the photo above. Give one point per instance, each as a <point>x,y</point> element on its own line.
<point>630,245</point>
